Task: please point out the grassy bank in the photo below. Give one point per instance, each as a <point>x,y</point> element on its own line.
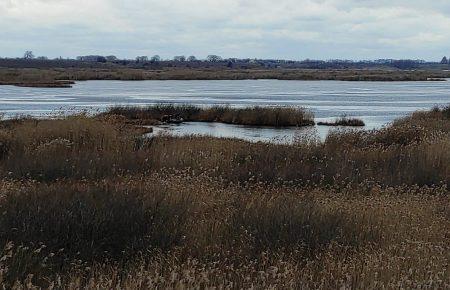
<point>253,116</point>
<point>39,84</point>
<point>87,202</point>
<point>51,75</point>
<point>33,78</point>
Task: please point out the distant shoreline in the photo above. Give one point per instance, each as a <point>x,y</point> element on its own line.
<point>65,77</point>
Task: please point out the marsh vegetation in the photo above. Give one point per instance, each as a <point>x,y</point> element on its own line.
<point>38,76</point>
<point>344,121</point>
<point>87,202</point>
<point>250,116</point>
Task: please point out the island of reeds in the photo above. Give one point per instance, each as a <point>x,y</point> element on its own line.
<point>250,116</point>
<point>344,121</point>
<point>88,202</point>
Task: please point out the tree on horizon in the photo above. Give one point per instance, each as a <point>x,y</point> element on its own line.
<point>28,54</point>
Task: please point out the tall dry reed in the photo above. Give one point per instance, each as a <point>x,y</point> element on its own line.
<point>89,203</point>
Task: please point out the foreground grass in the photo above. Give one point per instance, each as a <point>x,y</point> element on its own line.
<point>252,116</point>
<point>88,203</point>
<point>193,231</point>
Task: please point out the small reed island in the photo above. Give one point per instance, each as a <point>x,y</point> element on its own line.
<point>251,116</point>
<point>344,121</point>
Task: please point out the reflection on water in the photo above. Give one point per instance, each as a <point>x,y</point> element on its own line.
<point>248,133</point>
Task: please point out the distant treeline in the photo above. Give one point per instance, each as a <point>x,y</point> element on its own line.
<point>212,61</point>
<point>40,71</point>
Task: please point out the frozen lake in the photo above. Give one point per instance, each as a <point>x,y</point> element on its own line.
<point>377,103</point>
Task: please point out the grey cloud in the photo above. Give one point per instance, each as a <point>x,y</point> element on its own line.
<point>295,29</point>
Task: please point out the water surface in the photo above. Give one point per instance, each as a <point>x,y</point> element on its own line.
<point>377,103</point>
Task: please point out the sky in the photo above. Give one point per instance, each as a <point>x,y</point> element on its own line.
<point>278,29</point>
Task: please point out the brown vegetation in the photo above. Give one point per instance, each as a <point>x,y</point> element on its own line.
<point>251,116</point>
<point>344,121</point>
<point>32,78</point>
<point>51,75</point>
<point>88,203</point>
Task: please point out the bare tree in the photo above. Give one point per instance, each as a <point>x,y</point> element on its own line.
<point>142,59</point>
<point>155,58</point>
<point>28,54</point>
<point>111,58</point>
<point>444,60</point>
<point>192,58</point>
<point>213,58</point>
<point>180,58</point>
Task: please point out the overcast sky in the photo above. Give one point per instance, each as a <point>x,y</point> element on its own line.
<point>287,29</point>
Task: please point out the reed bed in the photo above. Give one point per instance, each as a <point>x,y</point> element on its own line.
<point>88,203</point>
<point>344,121</point>
<point>95,71</point>
<point>253,116</point>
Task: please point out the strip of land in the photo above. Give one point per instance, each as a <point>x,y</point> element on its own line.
<point>61,76</point>
<point>40,84</point>
<point>344,121</point>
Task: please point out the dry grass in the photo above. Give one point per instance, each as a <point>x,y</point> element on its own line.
<point>253,116</point>
<point>90,220</point>
<point>77,147</point>
<point>203,233</point>
<point>102,72</point>
<point>412,151</point>
<point>87,203</point>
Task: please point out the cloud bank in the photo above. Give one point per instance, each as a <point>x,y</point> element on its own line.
<point>292,29</point>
